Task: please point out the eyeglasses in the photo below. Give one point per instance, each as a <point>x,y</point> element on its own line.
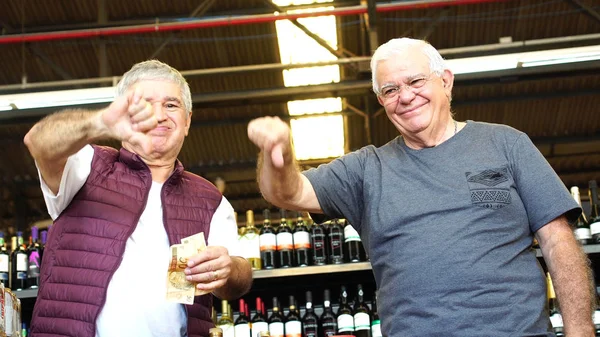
<point>390,91</point>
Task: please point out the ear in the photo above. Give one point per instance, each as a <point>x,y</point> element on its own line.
<point>188,122</point>
<point>448,81</point>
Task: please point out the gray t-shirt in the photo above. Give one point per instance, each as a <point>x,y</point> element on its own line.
<point>449,229</point>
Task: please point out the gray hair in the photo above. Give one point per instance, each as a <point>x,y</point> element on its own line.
<point>155,70</point>
<point>396,47</point>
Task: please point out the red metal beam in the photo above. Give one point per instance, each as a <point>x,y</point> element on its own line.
<point>227,21</point>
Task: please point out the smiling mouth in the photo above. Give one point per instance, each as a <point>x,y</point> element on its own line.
<point>405,111</point>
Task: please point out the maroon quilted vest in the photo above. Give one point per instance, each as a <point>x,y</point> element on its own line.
<point>87,241</point>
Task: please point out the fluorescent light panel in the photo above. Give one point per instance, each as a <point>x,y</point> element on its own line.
<point>57,98</point>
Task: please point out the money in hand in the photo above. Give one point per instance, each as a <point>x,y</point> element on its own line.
<point>179,289</point>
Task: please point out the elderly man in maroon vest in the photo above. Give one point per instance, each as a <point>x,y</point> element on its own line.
<point>117,212</point>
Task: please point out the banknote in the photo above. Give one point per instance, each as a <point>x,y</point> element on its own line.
<point>179,289</point>
<point>196,243</point>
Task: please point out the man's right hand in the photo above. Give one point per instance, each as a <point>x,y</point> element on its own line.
<point>272,136</point>
<point>128,118</point>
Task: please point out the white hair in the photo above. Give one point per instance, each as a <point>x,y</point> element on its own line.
<point>156,70</point>
<point>399,46</point>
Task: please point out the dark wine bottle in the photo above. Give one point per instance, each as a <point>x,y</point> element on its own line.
<point>301,242</point>
<point>352,243</point>
<point>19,265</point>
<point>241,325</point>
<point>318,237</point>
<point>285,243</point>
<point>268,243</point>
<point>375,322</point>
<point>44,236</point>
<point>362,315</point>
<point>328,320</point>
<point>310,321</point>
<point>293,326</point>
<point>34,258</point>
<point>555,316</point>
<point>594,212</point>
<point>259,320</point>
<point>345,316</point>
<point>276,320</point>
<point>4,262</point>
<point>582,227</point>
<point>336,242</point>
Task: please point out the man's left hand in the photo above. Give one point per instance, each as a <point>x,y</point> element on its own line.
<point>210,269</point>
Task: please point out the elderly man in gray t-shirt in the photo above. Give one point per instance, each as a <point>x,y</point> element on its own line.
<point>447,211</point>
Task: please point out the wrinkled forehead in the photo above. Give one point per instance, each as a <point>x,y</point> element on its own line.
<point>403,65</point>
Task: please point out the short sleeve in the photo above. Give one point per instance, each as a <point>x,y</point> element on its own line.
<point>339,186</point>
<point>544,195</point>
<point>223,229</point>
<point>76,171</point>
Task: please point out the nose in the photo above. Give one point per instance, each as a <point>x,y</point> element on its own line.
<point>406,95</point>
<point>159,111</point>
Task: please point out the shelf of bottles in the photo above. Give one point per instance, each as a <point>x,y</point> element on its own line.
<point>350,315</point>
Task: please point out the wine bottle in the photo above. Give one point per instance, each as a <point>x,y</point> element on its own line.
<point>353,244</point>
<point>555,316</point>
<point>310,321</point>
<point>328,320</point>
<point>582,228</point>
<point>596,314</point>
<point>376,322</point>
<point>4,259</point>
<point>362,315</point>
<point>251,242</point>
<point>19,265</point>
<point>293,326</point>
<point>336,242</point>
<point>259,320</point>
<point>276,320</point>
<point>268,243</point>
<point>34,260</point>
<point>242,323</point>
<point>318,237</point>
<point>301,242</point>
<point>285,243</point>
<point>345,316</point>
<point>226,321</point>
<point>44,239</point>
<point>594,212</point>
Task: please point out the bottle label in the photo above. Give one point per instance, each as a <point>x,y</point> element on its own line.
<point>250,245</point>
<point>228,330</point>
<point>556,321</point>
<point>376,329</point>
<point>595,227</point>
<point>242,330</point>
<point>597,317</point>
<point>276,329</point>
<point>22,262</point>
<point>583,233</point>
<point>257,327</point>
<point>293,329</point>
<point>362,321</point>
<point>34,265</point>
<point>310,329</point>
<point>3,263</point>
<point>329,328</point>
<point>285,241</point>
<point>268,241</point>
<point>301,240</point>
<point>345,323</point>
<point>350,234</point>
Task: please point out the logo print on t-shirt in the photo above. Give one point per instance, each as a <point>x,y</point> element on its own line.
<point>485,189</point>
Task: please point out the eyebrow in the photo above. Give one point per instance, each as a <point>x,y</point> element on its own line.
<point>408,79</point>
<point>165,99</point>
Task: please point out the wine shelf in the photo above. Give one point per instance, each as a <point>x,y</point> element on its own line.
<point>312,270</point>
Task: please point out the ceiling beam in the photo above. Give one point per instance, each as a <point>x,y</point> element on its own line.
<point>588,10</point>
